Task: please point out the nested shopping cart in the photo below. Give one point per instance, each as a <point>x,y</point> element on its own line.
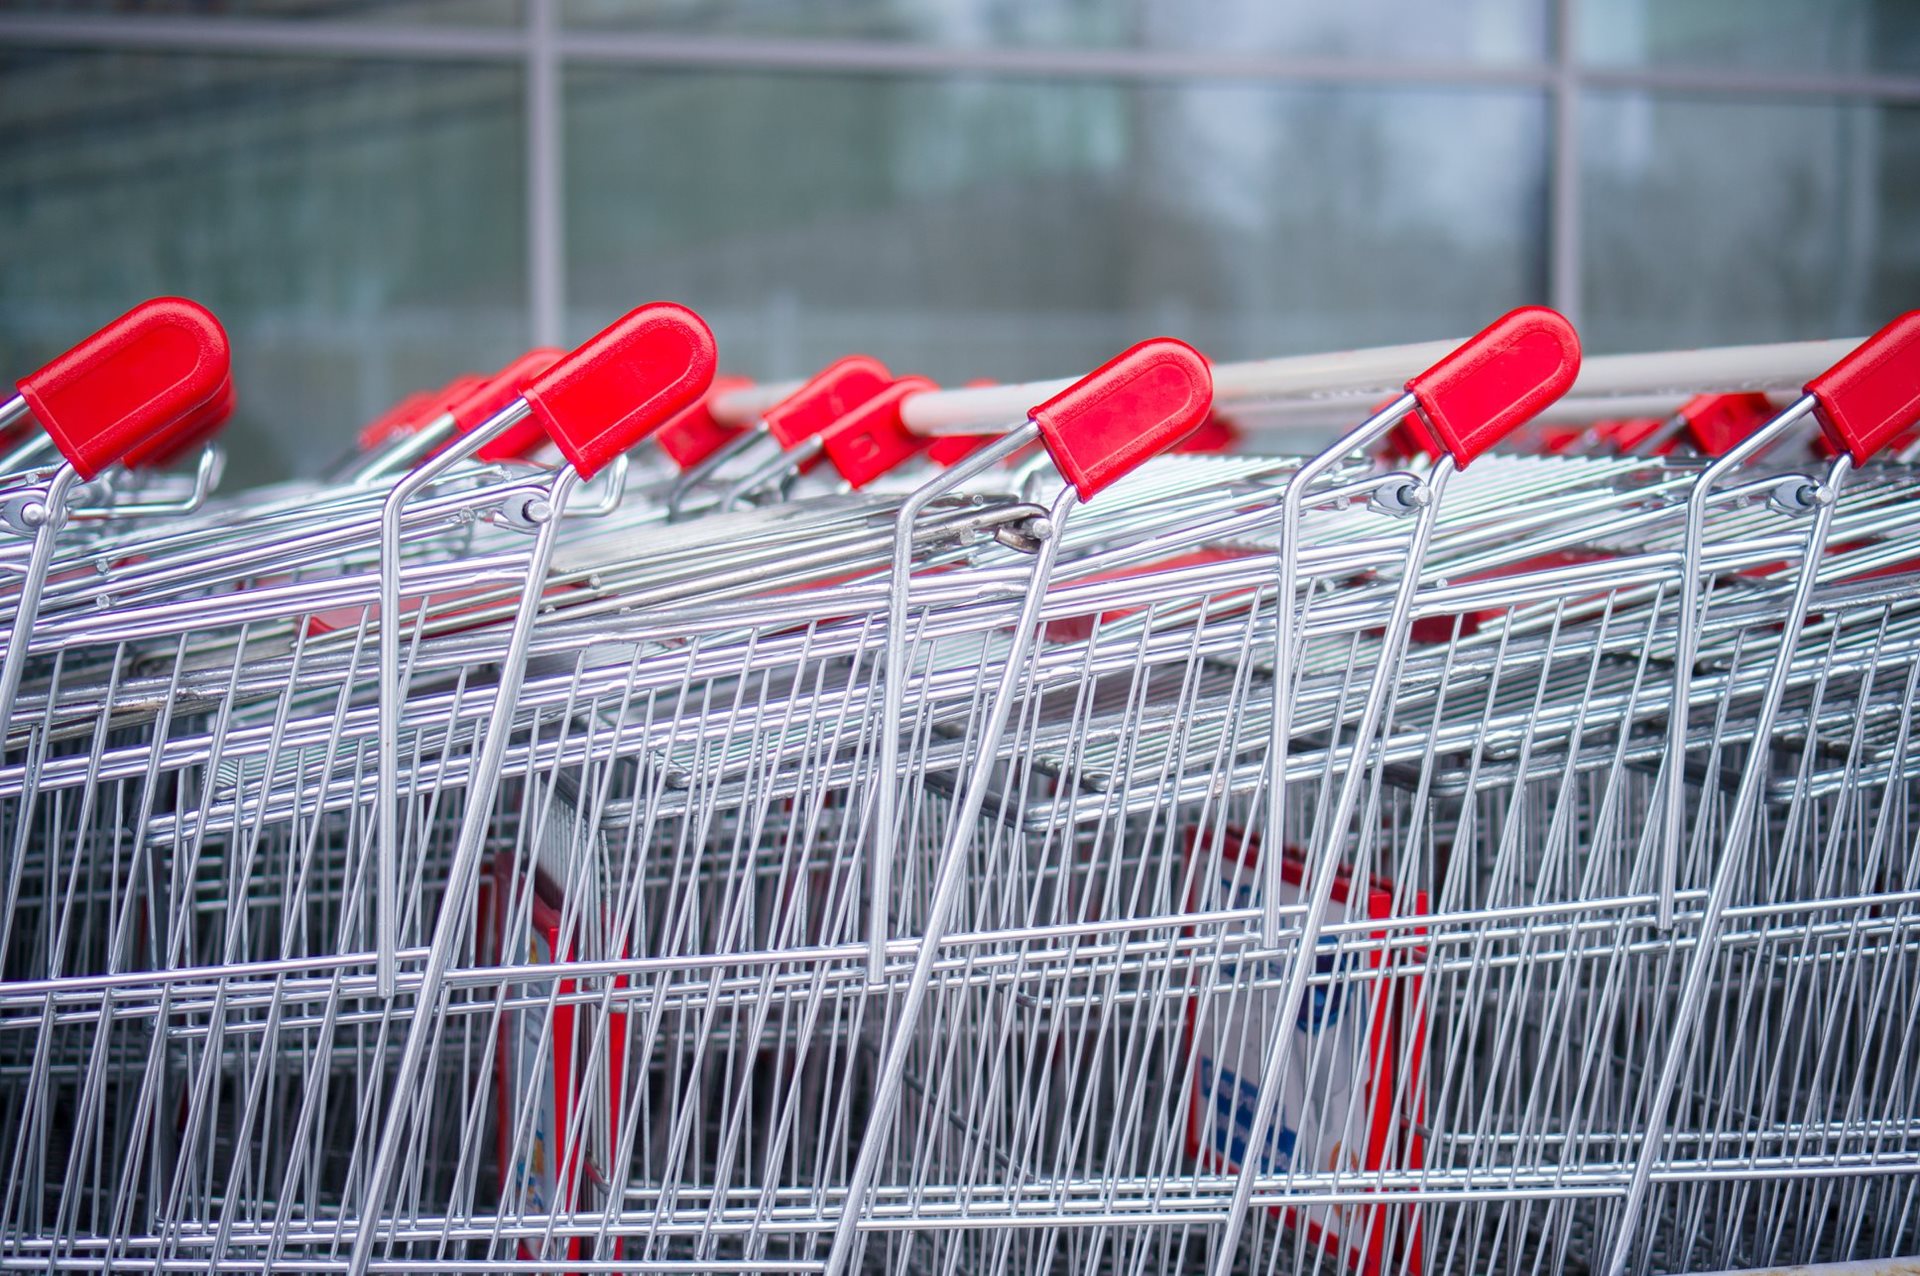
<point>1072,858</point>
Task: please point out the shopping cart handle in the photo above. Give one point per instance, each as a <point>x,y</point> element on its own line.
<point>1130,409</point>
<point>194,429</point>
<point>828,395</point>
<point>951,449</point>
<point>416,412</point>
<point>136,378</point>
<point>1408,438</point>
<point>396,420</point>
<point>1719,421</point>
<point>485,400</point>
<point>872,439</point>
<point>1873,395</point>
<point>1499,380</point>
<point>696,434</point>
<point>623,384</point>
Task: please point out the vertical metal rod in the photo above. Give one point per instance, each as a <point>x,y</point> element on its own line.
<point>946,891</point>
<point>880,858</point>
<point>27,607</point>
<point>451,925</point>
<point>386,904</point>
<point>1746,805</point>
<point>1563,186</point>
<point>1671,817</point>
<point>546,174</point>
<point>1322,858</point>
<point>1292,503</point>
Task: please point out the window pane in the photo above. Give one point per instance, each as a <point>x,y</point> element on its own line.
<point>1478,30</point>
<point>413,12</point>
<point>1728,221</point>
<point>1806,36</point>
<point>1014,230</point>
<point>359,227</point>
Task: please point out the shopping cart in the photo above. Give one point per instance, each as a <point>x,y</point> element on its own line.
<point>1245,862</point>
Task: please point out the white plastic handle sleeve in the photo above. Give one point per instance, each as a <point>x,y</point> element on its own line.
<point>749,403</point>
<point>1609,385</point>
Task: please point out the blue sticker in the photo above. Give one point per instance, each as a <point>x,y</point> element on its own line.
<point>1233,1112</point>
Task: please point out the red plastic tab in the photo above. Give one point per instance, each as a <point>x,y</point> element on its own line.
<point>623,384</point>
<point>834,391</point>
<point>1501,379</point>
<point>1131,408</point>
<point>485,401</point>
<point>872,439</point>
<point>1872,395</point>
<point>194,429</point>
<point>133,379</point>
<point>1718,422</point>
<point>696,434</point>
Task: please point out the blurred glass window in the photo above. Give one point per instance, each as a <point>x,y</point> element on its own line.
<point>999,227</point>
<point>360,226</point>
<point>1805,37</point>
<point>1495,31</point>
<point>1731,220</point>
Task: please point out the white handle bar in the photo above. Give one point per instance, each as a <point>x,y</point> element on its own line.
<point>1329,385</point>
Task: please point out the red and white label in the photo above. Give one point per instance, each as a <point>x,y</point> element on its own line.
<point>1352,1093</point>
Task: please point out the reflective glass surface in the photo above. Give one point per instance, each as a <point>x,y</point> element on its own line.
<point>414,12</point>
<point>1496,31</point>
<point>1013,229</point>
<point>1718,221</point>
<point>1805,37</point>
<point>359,226</point>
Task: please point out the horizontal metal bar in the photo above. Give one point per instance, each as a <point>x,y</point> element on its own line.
<point>1153,1201</point>
<point>730,52</point>
<point>887,57</point>
<point>1774,84</point>
<point>256,35</point>
<point>894,57</point>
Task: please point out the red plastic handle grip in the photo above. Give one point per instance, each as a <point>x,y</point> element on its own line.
<point>416,411</point>
<point>1215,435</point>
<point>1627,433</point>
<point>441,401</point>
<point>872,439</point>
<point>1406,438</point>
<point>623,384</point>
<point>194,429</point>
<point>396,420</point>
<point>482,403</point>
<point>1499,380</point>
<point>834,391</point>
<point>133,379</point>
<point>1718,422</point>
<point>1130,409</point>
<point>1870,397</point>
<point>951,449</point>
<point>694,435</point>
